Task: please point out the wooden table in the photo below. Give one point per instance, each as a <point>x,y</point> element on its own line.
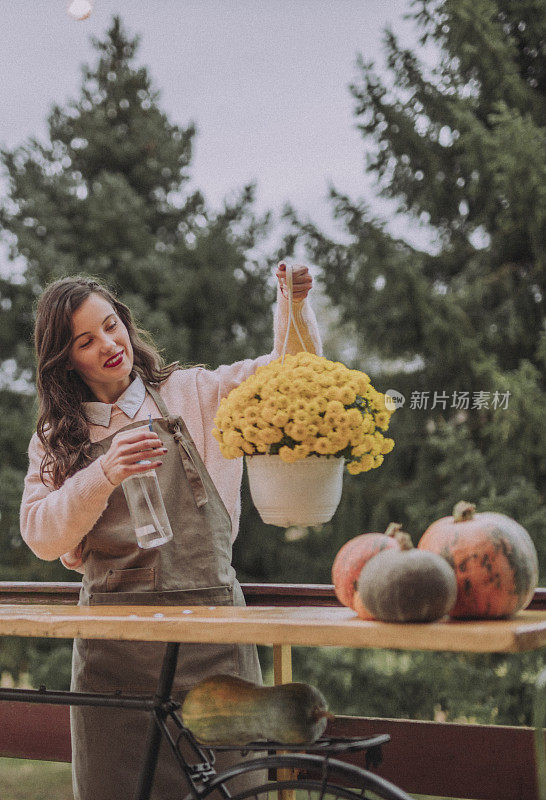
<point>280,627</point>
<point>307,626</point>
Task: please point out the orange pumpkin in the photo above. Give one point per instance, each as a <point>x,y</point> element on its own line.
<point>494,559</point>
<point>355,553</point>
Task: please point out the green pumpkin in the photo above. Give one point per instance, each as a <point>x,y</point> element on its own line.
<point>407,586</point>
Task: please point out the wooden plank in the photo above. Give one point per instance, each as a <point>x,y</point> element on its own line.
<point>482,762</point>
<point>282,663</point>
<point>269,594</point>
<point>305,626</point>
<point>29,730</point>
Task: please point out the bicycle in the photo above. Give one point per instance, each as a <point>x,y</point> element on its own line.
<point>310,769</point>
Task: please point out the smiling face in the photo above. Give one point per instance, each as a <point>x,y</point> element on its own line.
<point>101,351</point>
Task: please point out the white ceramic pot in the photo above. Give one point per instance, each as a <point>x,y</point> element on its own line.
<point>304,493</point>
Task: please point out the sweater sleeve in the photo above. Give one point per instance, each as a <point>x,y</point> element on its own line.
<point>54,521</point>
<point>221,381</point>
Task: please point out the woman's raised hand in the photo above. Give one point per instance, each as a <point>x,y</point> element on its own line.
<point>301,281</point>
<point>127,449</point>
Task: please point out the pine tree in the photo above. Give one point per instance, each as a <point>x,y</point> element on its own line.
<point>108,195</point>
<point>460,146</point>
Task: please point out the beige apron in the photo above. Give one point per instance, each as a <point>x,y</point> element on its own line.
<point>194,568</point>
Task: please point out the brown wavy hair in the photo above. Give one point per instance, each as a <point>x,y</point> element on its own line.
<point>62,426</point>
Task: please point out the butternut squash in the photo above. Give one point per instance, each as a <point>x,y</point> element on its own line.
<point>224,709</point>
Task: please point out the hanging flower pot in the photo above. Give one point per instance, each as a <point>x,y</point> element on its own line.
<point>298,420</point>
<point>306,492</point>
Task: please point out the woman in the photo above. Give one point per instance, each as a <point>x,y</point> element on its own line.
<point>98,380</point>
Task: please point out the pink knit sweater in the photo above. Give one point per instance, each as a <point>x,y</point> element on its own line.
<point>54,522</point>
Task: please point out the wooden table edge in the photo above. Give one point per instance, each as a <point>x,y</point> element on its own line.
<point>290,625</point>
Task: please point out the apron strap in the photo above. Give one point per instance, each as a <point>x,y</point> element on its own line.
<point>160,403</point>
<point>185,446</point>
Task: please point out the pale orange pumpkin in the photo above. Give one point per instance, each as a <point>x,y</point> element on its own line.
<point>494,559</point>
<point>351,558</point>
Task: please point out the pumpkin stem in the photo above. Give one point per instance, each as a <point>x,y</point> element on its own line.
<point>463,511</point>
<point>319,712</point>
<point>404,539</point>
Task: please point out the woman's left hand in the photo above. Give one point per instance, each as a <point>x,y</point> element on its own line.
<point>73,559</point>
<point>301,281</point>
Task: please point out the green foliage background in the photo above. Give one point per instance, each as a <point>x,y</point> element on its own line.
<point>460,146</point>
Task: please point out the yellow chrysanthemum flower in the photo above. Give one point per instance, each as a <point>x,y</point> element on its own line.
<point>281,402</point>
<point>217,435</point>
<point>324,428</point>
<point>322,446</point>
<point>296,430</point>
<point>336,407</point>
<point>322,403</point>
<point>333,393</point>
<point>285,386</point>
<point>324,380</point>
<point>233,439</point>
<point>250,415</point>
<point>305,397</point>
<point>353,384</point>
<point>280,419</point>
<point>347,395</point>
<point>272,435</point>
<point>288,455</point>
<point>250,433</point>
<point>298,386</point>
<point>301,416</point>
<point>382,420</point>
<point>366,462</point>
<point>376,447</point>
<point>354,417</point>
<point>339,441</point>
<point>335,414</point>
<point>267,413</point>
<point>231,452</point>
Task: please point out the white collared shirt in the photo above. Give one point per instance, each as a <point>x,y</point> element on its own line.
<point>129,402</point>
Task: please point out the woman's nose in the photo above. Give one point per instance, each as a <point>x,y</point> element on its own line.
<point>108,343</point>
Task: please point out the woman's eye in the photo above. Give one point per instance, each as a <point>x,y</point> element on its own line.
<point>85,344</point>
<point>112,326</point>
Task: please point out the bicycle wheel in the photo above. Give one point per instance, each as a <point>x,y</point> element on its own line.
<point>314,778</point>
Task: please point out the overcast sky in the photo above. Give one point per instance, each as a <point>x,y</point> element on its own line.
<point>265,81</point>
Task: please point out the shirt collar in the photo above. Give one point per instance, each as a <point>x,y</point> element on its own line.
<point>129,402</point>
